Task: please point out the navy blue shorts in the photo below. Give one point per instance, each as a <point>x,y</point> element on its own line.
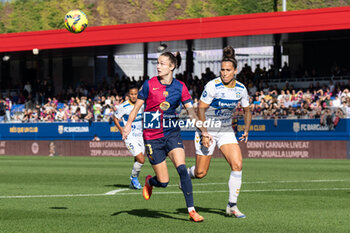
<point>158,149</point>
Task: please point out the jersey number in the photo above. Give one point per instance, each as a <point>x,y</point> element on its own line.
<point>149,151</point>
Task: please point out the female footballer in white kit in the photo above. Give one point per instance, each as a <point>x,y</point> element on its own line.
<point>134,141</point>
<point>218,103</point>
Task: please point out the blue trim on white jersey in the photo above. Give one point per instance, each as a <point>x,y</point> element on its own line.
<point>138,118</point>
<point>239,85</point>
<point>219,84</point>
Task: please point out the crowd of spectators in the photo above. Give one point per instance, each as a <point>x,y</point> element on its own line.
<point>88,104</point>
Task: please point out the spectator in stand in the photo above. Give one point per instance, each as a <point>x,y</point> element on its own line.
<point>8,107</point>
<point>96,138</point>
<point>35,116</point>
<point>76,116</point>
<point>315,98</point>
<point>2,109</point>
<point>97,108</point>
<point>285,71</point>
<point>27,89</point>
<point>60,115</point>
<point>287,102</point>
<point>83,107</point>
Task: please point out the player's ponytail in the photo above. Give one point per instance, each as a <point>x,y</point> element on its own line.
<point>229,55</point>
<point>174,59</point>
<point>178,59</point>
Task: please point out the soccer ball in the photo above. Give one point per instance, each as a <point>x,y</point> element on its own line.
<point>75,21</point>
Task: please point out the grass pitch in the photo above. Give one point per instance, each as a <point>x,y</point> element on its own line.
<point>68,194</point>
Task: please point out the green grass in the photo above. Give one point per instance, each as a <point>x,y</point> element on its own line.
<point>316,200</point>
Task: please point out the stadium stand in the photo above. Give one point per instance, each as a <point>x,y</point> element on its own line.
<point>329,100</point>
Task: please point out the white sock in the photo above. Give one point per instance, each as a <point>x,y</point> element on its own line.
<point>136,169</point>
<point>191,172</point>
<point>234,185</point>
<point>190,209</point>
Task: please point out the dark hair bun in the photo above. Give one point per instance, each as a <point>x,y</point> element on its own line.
<point>229,52</point>
<point>178,59</point>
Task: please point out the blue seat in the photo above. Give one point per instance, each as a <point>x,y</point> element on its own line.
<point>60,105</point>
<point>17,108</point>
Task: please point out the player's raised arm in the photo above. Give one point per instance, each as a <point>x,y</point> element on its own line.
<point>132,116</point>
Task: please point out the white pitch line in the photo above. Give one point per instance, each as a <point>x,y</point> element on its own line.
<point>113,192</point>
<point>248,191</point>
<point>177,192</point>
<point>62,195</point>
<point>270,182</point>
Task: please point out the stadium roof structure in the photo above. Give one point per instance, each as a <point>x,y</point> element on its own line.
<point>326,19</point>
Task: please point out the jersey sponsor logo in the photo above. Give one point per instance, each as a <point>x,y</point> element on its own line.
<point>165,93</point>
<point>226,104</point>
<point>151,120</point>
<point>164,105</point>
<point>155,88</point>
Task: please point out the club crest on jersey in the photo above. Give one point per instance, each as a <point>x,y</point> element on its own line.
<point>165,93</point>
<point>205,93</point>
<point>238,95</point>
<point>164,105</point>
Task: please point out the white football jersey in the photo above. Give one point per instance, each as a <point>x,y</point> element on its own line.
<point>123,113</point>
<point>223,100</point>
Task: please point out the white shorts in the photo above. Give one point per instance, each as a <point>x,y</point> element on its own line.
<point>219,139</point>
<point>135,145</point>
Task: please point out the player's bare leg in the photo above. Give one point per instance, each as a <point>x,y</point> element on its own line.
<point>201,168</point>
<point>233,156</point>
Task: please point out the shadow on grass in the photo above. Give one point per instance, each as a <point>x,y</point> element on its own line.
<point>58,208</point>
<point>117,185</point>
<point>201,210</point>
<point>150,214</point>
